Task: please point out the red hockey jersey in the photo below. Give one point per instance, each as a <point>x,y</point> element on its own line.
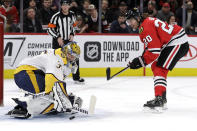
<point>156,34</point>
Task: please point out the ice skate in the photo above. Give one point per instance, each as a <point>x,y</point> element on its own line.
<point>79,81</point>
<point>157,105</point>
<point>19,112</point>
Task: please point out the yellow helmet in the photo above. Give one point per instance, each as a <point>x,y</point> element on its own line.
<point>72,49</point>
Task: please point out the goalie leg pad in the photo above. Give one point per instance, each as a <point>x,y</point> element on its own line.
<point>60,95</point>
<point>40,105</point>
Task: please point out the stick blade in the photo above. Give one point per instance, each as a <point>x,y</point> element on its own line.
<point>108,72</point>
<point>92,105</point>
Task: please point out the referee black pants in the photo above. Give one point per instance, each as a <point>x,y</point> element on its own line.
<point>56,45</point>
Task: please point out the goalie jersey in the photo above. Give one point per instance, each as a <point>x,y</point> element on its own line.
<point>52,63</point>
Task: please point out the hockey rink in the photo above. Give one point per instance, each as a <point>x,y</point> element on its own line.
<point>119,107</point>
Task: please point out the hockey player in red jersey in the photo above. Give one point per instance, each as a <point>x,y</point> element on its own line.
<point>165,46</point>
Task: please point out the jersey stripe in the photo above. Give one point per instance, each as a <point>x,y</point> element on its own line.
<point>32,77</point>
<point>160,81</point>
<point>181,34</point>
<point>48,109</point>
<point>155,50</point>
<point>171,56</point>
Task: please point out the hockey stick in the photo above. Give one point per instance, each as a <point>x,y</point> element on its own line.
<point>91,109</point>
<point>87,112</point>
<point>108,72</point>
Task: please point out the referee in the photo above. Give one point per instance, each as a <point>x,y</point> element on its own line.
<point>61,28</point>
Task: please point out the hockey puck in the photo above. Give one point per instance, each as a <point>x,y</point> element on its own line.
<point>71,118</point>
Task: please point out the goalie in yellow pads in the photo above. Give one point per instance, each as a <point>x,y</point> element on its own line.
<point>41,77</point>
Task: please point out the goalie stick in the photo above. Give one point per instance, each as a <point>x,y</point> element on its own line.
<point>90,111</point>
<point>108,72</point>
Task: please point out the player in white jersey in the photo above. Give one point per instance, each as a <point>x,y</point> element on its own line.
<point>41,77</point>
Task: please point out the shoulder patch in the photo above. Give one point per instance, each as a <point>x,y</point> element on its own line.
<point>141,30</point>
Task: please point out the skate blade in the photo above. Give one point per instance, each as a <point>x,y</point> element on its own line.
<point>79,83</point>
<point>152,110</point>
<point>156,110</point>
<point>165,107</point>
<point>19,116</point>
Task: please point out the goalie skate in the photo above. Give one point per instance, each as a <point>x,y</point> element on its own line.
<point>19,111</point>
<point>157,105</point>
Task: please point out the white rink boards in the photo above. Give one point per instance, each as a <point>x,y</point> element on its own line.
<point>97,53</point>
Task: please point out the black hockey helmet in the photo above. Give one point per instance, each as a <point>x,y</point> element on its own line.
<point>65,2</point>
<point>136,14</point>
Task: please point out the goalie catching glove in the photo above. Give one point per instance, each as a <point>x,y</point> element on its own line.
<point>137,63</point>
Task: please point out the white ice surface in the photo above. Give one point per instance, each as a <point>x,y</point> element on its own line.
<point>119,107</point>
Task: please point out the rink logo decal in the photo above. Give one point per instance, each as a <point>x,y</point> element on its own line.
<point>92,51</point>
<point>11,44</point>
<point>119,51</point>
<point>192,54</point>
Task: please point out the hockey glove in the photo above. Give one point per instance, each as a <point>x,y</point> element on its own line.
<point>137,63</point>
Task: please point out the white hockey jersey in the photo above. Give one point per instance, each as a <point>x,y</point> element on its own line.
<point>51,62</point>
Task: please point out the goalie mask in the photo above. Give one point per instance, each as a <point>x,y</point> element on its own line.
<point>71,51</point>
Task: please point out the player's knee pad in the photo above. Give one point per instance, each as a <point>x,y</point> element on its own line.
<point>158,71</point>
<point>60,95</point>
<point>153,66</point>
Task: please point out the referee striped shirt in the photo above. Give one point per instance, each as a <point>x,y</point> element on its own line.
<point>62,25</point>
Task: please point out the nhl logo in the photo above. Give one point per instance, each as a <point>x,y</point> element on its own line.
<point>92,51</point>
